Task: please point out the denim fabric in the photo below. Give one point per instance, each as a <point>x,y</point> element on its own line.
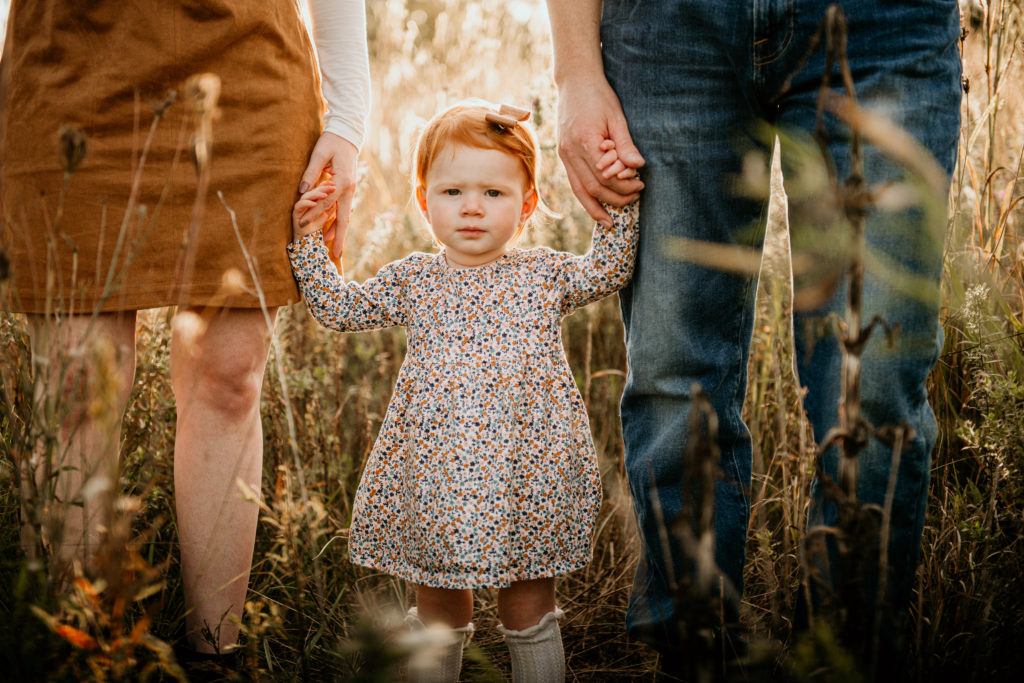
<point>694,78</point>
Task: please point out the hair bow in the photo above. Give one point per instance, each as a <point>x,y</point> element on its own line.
<point>507,116</point>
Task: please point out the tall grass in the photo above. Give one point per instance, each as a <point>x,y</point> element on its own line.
<point>970,614</point>
<point>311,615</point>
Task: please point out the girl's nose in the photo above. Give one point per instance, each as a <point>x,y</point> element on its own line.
<point>471,205</point>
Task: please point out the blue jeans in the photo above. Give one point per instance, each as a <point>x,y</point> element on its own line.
<point>694,78</point>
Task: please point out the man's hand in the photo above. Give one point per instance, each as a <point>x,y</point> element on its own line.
<point>589,115</point>
<point>336,157</point>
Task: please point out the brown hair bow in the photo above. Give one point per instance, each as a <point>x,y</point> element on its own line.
<point>507,116</point>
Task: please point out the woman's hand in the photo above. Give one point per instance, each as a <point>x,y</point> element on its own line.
<point>336,157</point>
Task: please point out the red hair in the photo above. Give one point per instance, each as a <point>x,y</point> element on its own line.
<point>465,124</point>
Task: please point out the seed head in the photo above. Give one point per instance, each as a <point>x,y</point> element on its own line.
<point>232,282</point>
<point>71,149</point>
<point>203,92</point>
<point>976,11</point>
<point>189,328</point>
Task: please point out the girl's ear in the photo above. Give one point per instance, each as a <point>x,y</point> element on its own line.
<point>529,206</point>
<point>421,199</point>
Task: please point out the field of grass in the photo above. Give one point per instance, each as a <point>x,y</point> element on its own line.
<point>313,616</point>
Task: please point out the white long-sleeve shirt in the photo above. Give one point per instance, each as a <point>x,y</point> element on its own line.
<point>339,32</point>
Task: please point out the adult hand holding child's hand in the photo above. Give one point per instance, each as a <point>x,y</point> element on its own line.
<point>599,156</point>
<point>337,157</point>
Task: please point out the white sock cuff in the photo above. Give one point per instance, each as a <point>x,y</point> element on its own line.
<point>436,650</point>
<point>412,617</point>
<point>536,652</point>
<point>544,629</point>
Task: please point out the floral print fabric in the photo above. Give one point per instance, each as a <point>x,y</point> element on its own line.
<point>484,471</point>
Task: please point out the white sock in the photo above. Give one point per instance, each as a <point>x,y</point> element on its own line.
<point>537,654</point>
<point>436,650</point>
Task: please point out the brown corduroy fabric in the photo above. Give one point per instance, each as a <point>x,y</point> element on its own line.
<point>111,235</point>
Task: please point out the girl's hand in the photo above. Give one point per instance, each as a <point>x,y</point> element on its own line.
<point>610,165</point>
<point>315,211</point>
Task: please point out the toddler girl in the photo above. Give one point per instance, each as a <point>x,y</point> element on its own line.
<point>484,472</point>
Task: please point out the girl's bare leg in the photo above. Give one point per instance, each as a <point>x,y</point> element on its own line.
<point>522,604</point>
<point>529,622</point>
<point>451,607</point>
<point>440,661</point>
<point>217,373</point>
<point>83,368</point>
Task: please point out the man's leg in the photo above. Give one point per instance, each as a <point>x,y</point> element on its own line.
<point>217,375</point>
<point>682,88</point>
<point>912,76</point>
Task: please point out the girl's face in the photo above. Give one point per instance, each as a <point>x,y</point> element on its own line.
<point>475,201</point>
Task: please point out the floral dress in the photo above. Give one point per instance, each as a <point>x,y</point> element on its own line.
<point>484,471</point>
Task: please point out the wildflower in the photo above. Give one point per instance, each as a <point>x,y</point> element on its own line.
<point>79,639</point>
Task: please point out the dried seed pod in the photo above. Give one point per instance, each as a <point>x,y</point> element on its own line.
<point>976,11</point>
<point>71,148</point>
<point>203,92</point>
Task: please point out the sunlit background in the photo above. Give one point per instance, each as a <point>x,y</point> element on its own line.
<point>521,10</point>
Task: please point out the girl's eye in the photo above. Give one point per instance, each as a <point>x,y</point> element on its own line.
<point>493,193</point>
<point>451,192</point>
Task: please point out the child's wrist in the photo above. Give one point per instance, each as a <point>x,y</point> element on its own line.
<point>299,232</point>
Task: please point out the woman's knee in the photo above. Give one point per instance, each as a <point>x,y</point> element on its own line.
<point>219,363</point>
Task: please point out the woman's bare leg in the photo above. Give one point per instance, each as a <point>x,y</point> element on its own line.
<point>83,368</point>
<point>217,373</point>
